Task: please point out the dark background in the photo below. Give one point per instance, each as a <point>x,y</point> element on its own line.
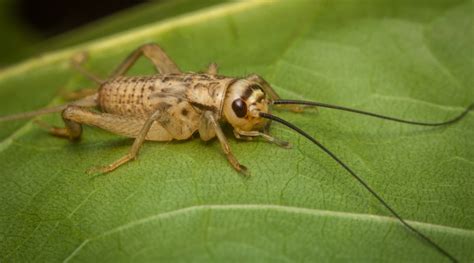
<point>31,28</point>
<point>52,17</point>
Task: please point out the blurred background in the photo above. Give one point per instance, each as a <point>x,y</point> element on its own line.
<point>32,27</point>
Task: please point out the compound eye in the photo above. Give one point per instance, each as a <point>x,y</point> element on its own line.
<point>240,108</point>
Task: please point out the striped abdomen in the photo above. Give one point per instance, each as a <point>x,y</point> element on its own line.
<point>129,96</point>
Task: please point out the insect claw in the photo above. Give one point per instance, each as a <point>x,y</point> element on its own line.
<point>277,141</point>
<point>94,170</point>
<point>244,170</point>
<point>244,138</point>
<point>97,170</point>
<point>285,144</point>
<point>281,143</point>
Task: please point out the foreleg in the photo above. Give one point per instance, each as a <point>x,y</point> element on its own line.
<point>249,135</point>
<point>211,123</point>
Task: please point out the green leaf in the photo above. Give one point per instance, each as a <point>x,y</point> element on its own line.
<point>15,34</point>
<point>144,14</point>
<point>26,45</point>
<point>181,201</point>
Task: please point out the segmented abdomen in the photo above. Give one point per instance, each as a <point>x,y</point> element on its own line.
<point>127,96</point>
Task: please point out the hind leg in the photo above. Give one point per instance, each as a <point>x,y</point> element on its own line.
<point>73,128</point>
<point>140,129</point>
<point>77,61</point>
<point>137,144</point>
<point>153,52</point>
<point>71,131</point>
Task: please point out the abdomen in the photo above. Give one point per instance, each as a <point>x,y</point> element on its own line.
<point>127,96</point>
<point>139,97</point>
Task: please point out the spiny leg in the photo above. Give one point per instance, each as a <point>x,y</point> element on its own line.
<point>163,63</point>
<point>208,116</point>
<point>77,61</point>
<point>249,135</point>
<point>132,154</point>
<point>122,125</point>
<point>118,124</point>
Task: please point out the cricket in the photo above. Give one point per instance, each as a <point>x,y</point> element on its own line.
<point>174,105</point>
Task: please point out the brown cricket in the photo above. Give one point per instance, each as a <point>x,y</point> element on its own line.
<point>173,105</point>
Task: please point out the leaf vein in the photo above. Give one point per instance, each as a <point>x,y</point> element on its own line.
<point>278,208</point>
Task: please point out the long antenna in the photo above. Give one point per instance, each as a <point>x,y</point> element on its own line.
<point>89,101</point>
<point>361,181</point>
<point>325,105</point>
<point>29,114</point>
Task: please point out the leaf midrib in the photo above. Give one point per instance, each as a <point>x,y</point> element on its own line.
<point>373,219</point>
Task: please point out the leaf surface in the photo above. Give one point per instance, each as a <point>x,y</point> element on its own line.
<point>181,201</point>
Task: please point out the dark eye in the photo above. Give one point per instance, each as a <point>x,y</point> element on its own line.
<point>240,108</point>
